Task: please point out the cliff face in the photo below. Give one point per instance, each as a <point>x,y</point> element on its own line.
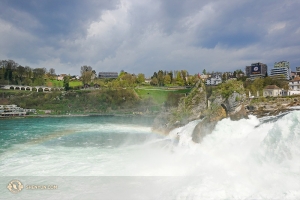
<point>195,103</point>
<point>220,109</point>
<point>189,108</point>
<point>226,101</point>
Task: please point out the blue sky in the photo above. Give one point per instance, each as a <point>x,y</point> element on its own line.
<point>143,36</point>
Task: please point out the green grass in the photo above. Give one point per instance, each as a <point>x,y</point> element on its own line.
<point>56,83</point>
<point>75,83</point>
<point>14,91</point>
<point>159,95</point>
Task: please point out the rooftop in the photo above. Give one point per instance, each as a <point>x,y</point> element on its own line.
<point>272,87</point>
<point>296,79</point>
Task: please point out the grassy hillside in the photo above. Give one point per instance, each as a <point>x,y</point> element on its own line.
<point>106,100</point>
<point>159,95</point>
<point>56,83</point>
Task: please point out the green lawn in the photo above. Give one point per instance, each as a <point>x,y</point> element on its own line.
<point>75,83</point>
<point>158,94</point>
<point>56,83</point>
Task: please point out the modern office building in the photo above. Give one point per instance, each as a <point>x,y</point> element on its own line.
<point>256,70</point>
<point>281,70</point>
<point>281,64</point>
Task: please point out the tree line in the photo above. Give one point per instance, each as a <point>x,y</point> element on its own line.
<point>13,73</point>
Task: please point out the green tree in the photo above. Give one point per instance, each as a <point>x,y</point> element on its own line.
<point>179,80</point>
<point>224,77</point>
<point>28,72</point>
<point>20,73</point>
<point>154,81</point>
<point>204,71</point>
<point>167,79</point>
<point>171,76</point>
<point>66,82</point>
<point>154,75</point>
<point>160,78</point>
<point>184,75</point>
<point>39,72</point>
<point>257,85</point>
<point>234,74</point>
<point>140,78</point>
<point>86,74</point>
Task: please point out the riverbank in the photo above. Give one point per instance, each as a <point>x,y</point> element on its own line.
<point>80,115</point>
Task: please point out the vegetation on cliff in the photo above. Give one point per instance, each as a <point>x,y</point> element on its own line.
<point>228,88</point>
<point>105,100</point>
<point>189,108</point>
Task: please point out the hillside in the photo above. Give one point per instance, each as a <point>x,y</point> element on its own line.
<point>106,100</point>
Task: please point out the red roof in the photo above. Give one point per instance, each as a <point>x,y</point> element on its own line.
<point>296,79</point>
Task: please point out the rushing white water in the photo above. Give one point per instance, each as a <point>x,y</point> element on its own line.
<point>239,160</point>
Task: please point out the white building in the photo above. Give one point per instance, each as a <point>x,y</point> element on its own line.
<point>293,92</point>
<point>214,80</point>
<point>61,77</point>
<point>273,91</point>
<point>294,84</point>
<point>281,70</point>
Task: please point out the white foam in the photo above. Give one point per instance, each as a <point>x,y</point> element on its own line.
<point>238,160</point>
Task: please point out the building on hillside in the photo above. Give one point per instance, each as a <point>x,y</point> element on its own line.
<point>203,77</point>
<point>75,77</point>
<point>297,72</point>
<point>294,84</point>
<point>148,80</point>
<point>214,80</point>
<point>293,92</point>
<point>61,77</point>
<point>281,73</point>
<point>294,75</point>
<point>108,75</point>
<point>14,110</point>
<point>273,91</point>
<point>281,70</point>
<point>256,70</point>
<point>281,64</point>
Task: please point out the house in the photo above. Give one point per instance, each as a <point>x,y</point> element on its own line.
<point>61,77</point>
<point>75,77</point>
<point>148,80</point>
<point>273,91</point>
<point>293,92</point>
<point>295,84</point>
<point>12,110</point>
<point>214,80</point>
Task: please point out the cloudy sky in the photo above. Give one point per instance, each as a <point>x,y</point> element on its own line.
<point>143,36</point>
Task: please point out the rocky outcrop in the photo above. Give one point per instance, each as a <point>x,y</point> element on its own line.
<point>225,102</point>
<point>189,108</point>
<point>222,106</point>
<point>206,126</point>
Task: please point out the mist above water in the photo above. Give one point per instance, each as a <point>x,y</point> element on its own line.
<point>238,160</point>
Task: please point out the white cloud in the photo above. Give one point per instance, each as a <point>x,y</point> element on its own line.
<point>276,27</point>
<point>139,36</point>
